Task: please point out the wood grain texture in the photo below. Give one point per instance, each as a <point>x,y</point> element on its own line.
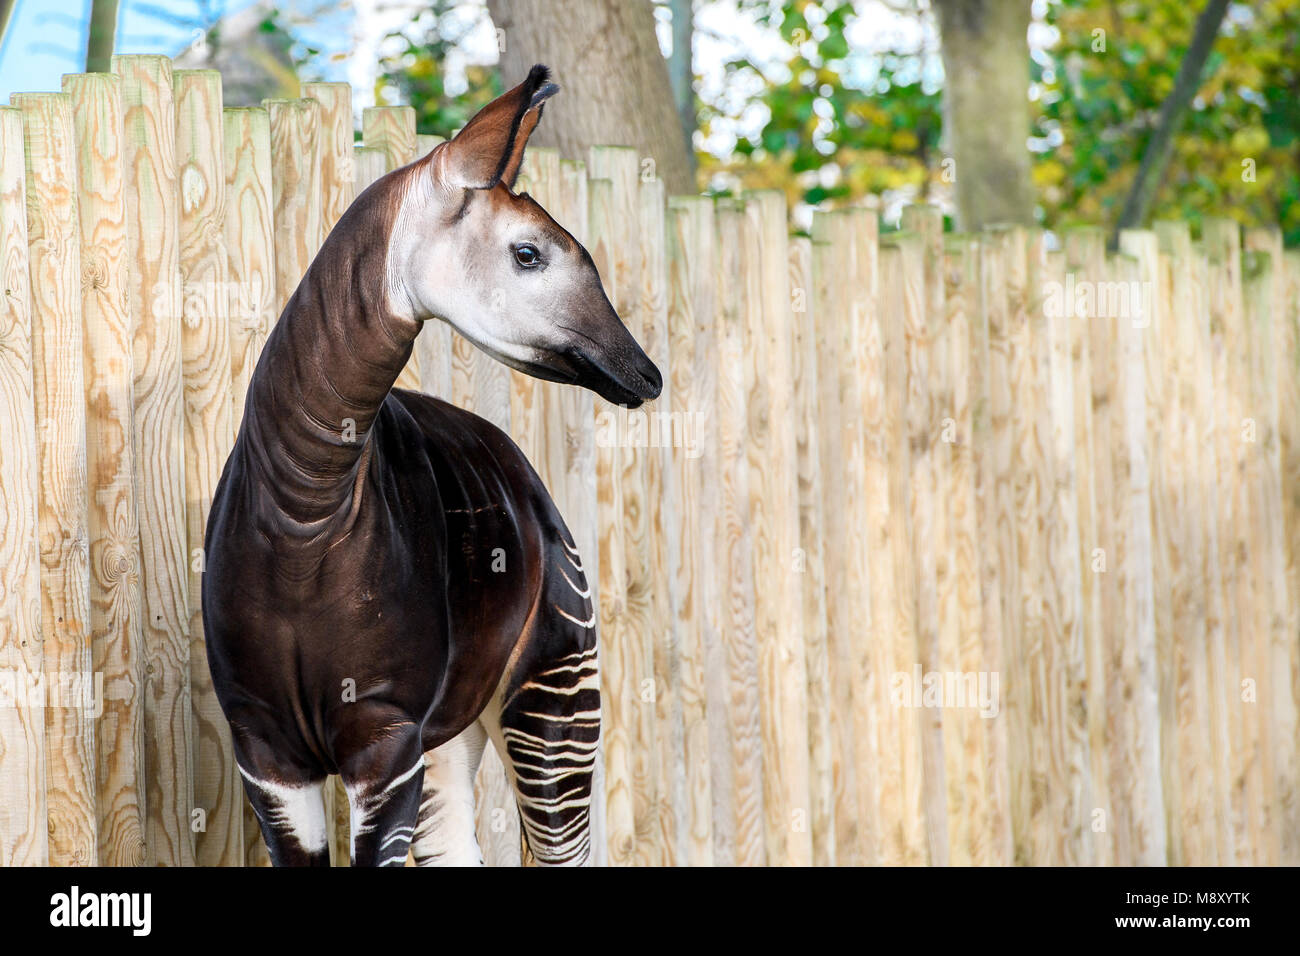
<point>1195,761</point>
<point>1084,250</point>
<point>1066,683</point>
<point>250,244</point>
<point>54,234</point>
<point>928,519</point>
<point>368,164</point>
<point>961,313</point>
<point>1272,374</point>
<point>1137,666</point>
<point>623,286</point>
<point>152,209</point>
<point>390,129</point>
<point>618,670</point>
<point>901,276</point>
<point>678,664</point>
<point>209,435</point>
<point>1287,339</point>
<point>774,511</point>
<point>1222,243</point>
<point>841,462</point>
<point>810,555</point>
<point>1272,646</point>
<point>116,612</point>
<point>1208,501</point>
<point>296,192</point>
<point>1024,652</point>
<point>1143,246</point>
<point>689,227</point>
<point>744,813</point>
<point>991,437</point>
<point>24,839</point>
<point>335,146</point>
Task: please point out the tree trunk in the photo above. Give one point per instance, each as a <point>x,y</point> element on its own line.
<point>681,71</point>
<point>1155,161</point>
<point>614,81</point>
<point>986,109</point>
<point>101,36</point>
<point>6,11</point>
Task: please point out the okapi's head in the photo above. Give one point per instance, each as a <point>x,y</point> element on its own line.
<point>492,262</point>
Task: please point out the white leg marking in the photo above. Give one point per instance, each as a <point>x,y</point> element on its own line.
<point>444,835</point>
<point>297,811</point>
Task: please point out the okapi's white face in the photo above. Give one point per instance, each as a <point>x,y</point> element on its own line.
<point>493,263</point>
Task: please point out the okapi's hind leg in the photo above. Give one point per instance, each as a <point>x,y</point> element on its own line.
<point>292,818</point>
<point>444,833</point>
<point>548,729</point>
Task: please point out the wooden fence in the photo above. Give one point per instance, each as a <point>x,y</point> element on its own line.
<point>936,549</point>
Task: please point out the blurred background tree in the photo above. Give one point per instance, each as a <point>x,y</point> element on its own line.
<point>832,101</point>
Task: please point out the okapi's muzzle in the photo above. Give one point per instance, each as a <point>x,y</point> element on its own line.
<point>604,357</point>
<point>624,376</point>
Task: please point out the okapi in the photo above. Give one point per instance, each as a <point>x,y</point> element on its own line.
<point>388,583</point>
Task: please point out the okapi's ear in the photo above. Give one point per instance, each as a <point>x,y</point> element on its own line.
<point>490,149</point>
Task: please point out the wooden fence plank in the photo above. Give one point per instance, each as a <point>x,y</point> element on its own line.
<point>152,207</point>
<point>250,243</point>
<point>961,299</point>
<point>620,166</point>
<point>1084,265</point>
<point>368,164</point>
<point>1222,240</point>
<point>774,511</point>
<point>1275,381</point>
<point>868,583</point>
<point>991,438</point>
<point>1136,673</point>
<point>690,250</point>
<point>901,275</point>
<point>926,404</point>
<point>618,669</point>
<point>835,326</point>
<point>1274,642</point>
<point>209,435</point>
<point>1143,246</point>
<point>676,659</point>
<point>54,234</point>
<point>112,524</point>
<point>811,556</point>
<point>1196,764</point>
<point>1068,682</point>
<point>737,559</point>
<point>24,837</point>
<point>295,189</point>
<point>1287,329</point>
<point>334,150</point>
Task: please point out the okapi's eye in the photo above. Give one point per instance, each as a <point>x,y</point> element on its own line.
<point>526,255</point>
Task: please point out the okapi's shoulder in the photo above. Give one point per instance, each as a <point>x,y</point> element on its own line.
<point>475,462</point>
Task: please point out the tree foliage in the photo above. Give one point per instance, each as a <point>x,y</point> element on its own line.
<point>414,70</point>
<point>838,123</point>
<point>1236,151</point>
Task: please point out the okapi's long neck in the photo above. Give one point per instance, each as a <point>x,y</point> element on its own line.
<point>328,365</point>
